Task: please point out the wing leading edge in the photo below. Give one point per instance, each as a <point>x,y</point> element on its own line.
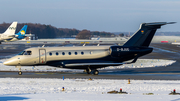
<point>93,64</point>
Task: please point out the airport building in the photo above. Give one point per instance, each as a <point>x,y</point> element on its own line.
<point>31,37</point>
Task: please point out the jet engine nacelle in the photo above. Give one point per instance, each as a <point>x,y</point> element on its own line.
<point>120,51</point>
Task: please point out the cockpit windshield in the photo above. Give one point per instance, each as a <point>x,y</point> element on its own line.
<point>21,53</point>
<point>25,53</point>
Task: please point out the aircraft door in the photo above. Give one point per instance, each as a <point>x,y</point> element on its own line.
<point>42,56</point>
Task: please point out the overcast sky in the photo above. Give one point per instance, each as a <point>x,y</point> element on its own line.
<point>94,15</point>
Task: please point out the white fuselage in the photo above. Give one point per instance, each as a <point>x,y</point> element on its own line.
<point>42,55</point>
<point>5,38</point>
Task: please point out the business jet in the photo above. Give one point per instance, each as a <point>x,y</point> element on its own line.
<point>9,33</point>
<point>89,58</point>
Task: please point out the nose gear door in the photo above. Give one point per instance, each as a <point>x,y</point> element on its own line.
<point>42,56</point>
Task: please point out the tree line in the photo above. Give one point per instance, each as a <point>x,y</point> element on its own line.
<point>49,31</point>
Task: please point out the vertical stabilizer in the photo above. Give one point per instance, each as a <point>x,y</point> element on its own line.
<point>22,32</point>
<point>145,34</point>
<point>11,29</point>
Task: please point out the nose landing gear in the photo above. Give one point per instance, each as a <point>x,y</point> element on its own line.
<point>19,67</point>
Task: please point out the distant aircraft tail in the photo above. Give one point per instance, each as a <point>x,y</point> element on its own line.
<point>11,29</point>
<point>145,34</point>
<point>22,32</point>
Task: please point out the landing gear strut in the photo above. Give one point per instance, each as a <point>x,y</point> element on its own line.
<point>88,71</point>
<point>19,67</point>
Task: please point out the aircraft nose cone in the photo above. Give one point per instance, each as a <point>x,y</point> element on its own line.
<point>6,62</point>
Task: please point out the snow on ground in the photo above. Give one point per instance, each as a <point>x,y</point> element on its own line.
<point>140,63</point>
<point>40,89</point>
<point>37,89</point>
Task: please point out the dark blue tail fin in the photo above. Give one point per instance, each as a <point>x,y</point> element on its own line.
<point>22,32</point>
<point>145,34</point>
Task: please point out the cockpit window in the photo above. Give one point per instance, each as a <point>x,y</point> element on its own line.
<point>21,53</point>
<point>27,53</point>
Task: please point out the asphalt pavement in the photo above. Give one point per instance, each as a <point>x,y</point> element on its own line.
<point>161,51</point>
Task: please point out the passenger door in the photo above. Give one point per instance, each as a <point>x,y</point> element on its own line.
<point>42,56</point>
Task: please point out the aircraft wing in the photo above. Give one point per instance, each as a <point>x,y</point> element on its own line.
<point>27,36</point>
<point>93,64</point>
<point>12,36</point>
<point>101,64</point>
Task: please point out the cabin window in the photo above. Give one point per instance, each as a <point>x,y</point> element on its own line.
<point>91,52</point>
<point>63,53</point>
<point>27,53</point>
<point>75,53</point>
<point>82,53</point>
<point>69,53</point>
<point>50,53</point>
<point>57,53</point>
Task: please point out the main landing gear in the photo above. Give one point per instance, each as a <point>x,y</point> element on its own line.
<point>95,72</point>
<point>89,71</point>
<point>20,72</point>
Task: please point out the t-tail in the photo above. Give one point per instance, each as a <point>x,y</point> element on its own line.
<point>143,37</point>
<point>22,32</point>
<point>11,29</point>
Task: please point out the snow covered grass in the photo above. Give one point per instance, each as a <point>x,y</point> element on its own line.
<point>84,89</point>
<point>143,63</point>
<point>96,86</point>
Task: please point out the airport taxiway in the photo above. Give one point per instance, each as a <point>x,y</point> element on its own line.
<point>161,51</point>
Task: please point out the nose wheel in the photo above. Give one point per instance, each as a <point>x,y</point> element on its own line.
<point>20,73</point>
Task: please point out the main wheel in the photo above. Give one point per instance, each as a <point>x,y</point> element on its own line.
<point>20,73</point>
<point>96,72</point>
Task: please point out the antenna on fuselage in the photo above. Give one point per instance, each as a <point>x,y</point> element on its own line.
<point>84,44</point>
<point>43,45</point>
<point>98,44</point>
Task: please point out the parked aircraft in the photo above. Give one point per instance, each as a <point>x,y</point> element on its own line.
<point>89,58</point>
<point>9,33</point>
<point>20,35</point>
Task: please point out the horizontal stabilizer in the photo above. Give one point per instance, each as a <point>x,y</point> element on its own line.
<point>11,36</point>
<point>158,23</point>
